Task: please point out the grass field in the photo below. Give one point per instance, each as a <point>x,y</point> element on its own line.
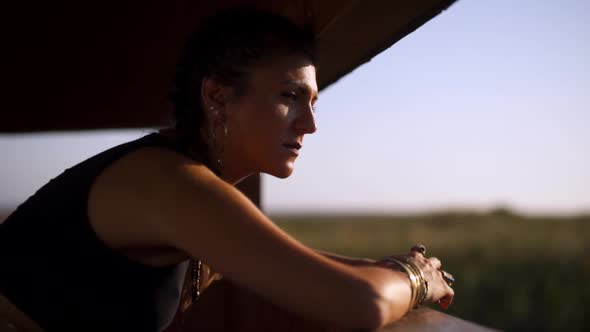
<point>513,273</point>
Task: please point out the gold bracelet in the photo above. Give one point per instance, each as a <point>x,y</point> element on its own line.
<point>416,281</point>
<point>423,294</point>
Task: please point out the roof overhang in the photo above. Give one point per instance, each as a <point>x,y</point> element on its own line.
<point>74,65</point>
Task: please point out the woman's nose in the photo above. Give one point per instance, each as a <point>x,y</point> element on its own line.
<point>306,121</point>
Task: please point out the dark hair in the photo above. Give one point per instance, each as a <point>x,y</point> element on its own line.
<point>224,49</point>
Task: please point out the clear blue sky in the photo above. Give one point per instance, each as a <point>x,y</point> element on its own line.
<point>488,104</point>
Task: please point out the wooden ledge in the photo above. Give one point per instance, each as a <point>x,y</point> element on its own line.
<point>426,319</point>
<point>227,307</point>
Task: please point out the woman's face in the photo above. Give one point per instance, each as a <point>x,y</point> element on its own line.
<point>266,124</point>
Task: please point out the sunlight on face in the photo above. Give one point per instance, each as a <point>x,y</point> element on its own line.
<point>267,124</point>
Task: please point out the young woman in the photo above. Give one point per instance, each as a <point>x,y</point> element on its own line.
<point>105,245</point>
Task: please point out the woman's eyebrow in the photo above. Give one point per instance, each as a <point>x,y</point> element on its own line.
<point>306,88</point>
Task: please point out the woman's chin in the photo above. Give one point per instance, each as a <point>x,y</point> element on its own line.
<point>283,171</point>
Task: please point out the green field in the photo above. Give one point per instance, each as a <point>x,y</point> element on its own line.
<point>513,273</point>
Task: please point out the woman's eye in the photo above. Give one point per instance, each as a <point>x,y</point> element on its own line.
<point>290,95</point>
<point>294,97</point>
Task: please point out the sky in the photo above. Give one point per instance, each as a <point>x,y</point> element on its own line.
<point>486,105</point>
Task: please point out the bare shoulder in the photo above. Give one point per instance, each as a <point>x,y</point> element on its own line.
<point>131,199</point>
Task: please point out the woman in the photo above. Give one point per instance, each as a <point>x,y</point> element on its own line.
<point>105,245</point>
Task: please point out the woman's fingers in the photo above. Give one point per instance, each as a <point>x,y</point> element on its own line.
<point>446,295</point>
<point>449,279</point>
<point>435,262</point>
<point>439,289</point>
<point>446,301</point>
<point>419,248</point>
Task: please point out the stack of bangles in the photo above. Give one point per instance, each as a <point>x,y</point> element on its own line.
<point>418,284</point>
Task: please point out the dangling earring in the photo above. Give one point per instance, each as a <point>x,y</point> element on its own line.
<point>222,150</point>
<point>218,147</point>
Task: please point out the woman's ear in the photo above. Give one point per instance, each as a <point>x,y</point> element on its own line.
<point>214,94</point>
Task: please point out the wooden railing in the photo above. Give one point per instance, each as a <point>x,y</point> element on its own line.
<point>425,320</point>
<point>226,307</point>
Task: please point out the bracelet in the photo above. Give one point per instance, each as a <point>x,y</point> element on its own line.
<point>418,285</point>
<point>423,294</point>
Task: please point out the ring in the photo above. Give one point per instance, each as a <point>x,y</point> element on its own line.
<point>419,248</point>
<point>449,279</point>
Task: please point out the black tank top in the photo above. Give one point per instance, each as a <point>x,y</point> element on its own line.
<point>56,270</point>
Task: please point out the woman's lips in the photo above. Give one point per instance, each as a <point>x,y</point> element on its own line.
<point>293,148</point>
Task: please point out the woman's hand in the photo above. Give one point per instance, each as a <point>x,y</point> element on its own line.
<point>438,289</point>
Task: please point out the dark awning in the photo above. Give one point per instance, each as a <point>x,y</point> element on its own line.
<point>72,65</point>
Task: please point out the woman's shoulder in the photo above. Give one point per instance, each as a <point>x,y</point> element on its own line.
<point>127,200</point>
<point>149,160</point>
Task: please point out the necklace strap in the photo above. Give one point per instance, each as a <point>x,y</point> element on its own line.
<point>196,278</point>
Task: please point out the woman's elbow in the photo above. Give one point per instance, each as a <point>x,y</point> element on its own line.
<point>381,304</point>
<point>373,317</point>
<point>371,311</point>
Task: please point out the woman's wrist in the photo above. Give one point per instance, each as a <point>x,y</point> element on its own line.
<point>418,285</point>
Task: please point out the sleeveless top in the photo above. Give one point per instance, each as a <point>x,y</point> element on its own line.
<point>64,277</point>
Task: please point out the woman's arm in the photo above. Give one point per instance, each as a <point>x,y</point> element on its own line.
<point>214,221</point>
<point>353,261</point>
<point>160,198</point>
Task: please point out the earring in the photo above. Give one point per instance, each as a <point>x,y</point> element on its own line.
<point>221,149</point>
<point>218,147</point>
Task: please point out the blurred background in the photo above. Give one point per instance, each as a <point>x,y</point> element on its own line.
<point>470,135</point>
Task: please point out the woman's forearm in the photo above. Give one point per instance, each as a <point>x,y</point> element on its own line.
<point>353,261</point>
<point>391,288</point>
